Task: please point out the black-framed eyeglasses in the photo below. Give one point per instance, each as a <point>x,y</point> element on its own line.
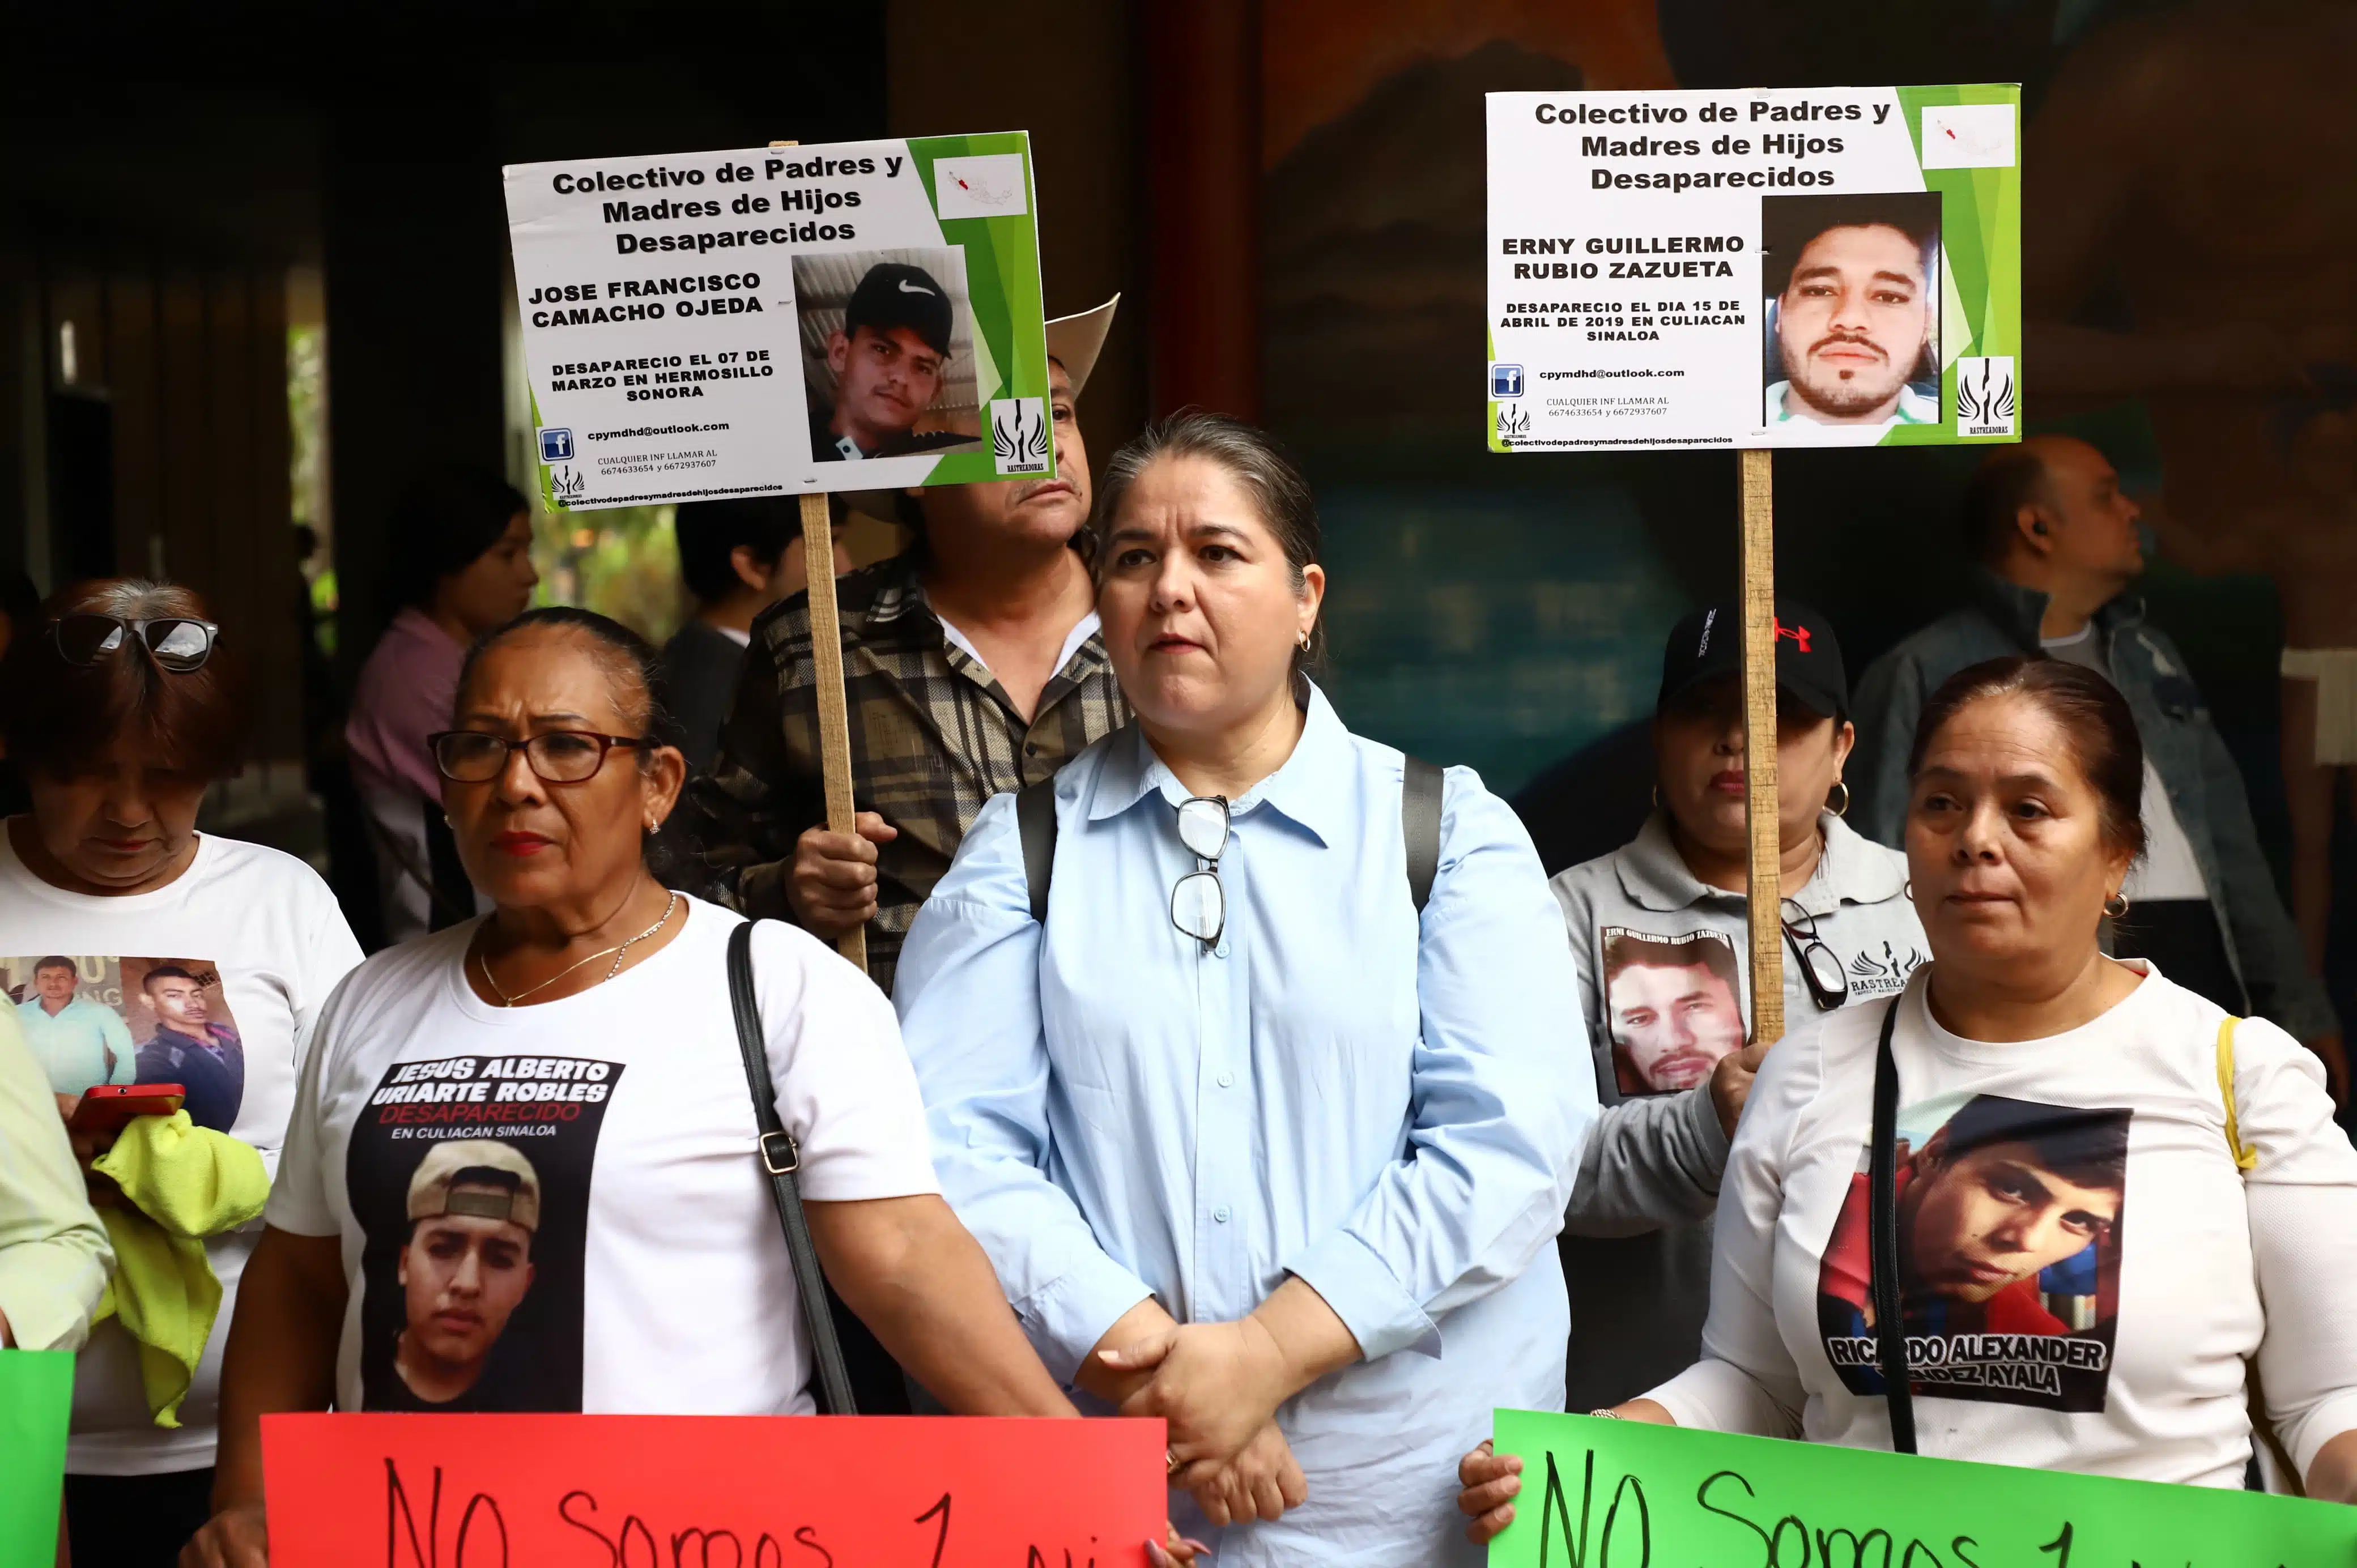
<point>1821,971</point>
<point>176,642</point>
<point>1199,905</point>
<point>557,756</point>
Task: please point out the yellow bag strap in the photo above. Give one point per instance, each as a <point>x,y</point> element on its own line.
<point>2245,1157</point>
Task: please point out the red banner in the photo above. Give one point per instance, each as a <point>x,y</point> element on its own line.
<point>660,1492</point>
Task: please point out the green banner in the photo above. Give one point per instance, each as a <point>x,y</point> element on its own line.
<point>1626,1494</point>
<point>35,1398</point>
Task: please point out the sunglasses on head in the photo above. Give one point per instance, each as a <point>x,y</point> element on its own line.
<point>175,642</point>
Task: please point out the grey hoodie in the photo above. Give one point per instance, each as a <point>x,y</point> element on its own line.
<point>1636,1243</point>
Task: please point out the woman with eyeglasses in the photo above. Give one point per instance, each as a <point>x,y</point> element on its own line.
<point>1659,928</point>
<point>2042,1208</point>
<point>1256,1147</point>
<point>138,950</point>
<point>436,1240</point>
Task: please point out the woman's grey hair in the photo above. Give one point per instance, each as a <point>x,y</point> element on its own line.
<point>1252,457</point>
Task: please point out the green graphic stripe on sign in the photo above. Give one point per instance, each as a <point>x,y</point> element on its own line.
<point>1001,262</point>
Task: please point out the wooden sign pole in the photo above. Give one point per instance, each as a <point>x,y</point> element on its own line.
<point>1759,750</point>
<point>826,670</point>
<point>834,710</point>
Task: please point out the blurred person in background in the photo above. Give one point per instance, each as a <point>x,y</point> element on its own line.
<point>2058,551</point>
<point>461,566</point>
<point>737,557</point>
<point>124,706</point>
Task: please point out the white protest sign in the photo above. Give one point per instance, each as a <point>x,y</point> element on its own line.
<point>1761,267</point>
<point>781,320</point>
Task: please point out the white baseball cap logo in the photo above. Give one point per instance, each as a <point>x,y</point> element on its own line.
<point>907,288</point>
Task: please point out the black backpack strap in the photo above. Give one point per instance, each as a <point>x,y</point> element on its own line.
<point>1035,814</point>
<point>781,1157</point>
<point>1882,1180</point>
<point>1422,786</point>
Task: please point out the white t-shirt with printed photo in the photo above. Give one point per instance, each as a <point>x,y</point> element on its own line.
<point>559,1207</point>
<point>213,980</point>
<point>2086,1269</point>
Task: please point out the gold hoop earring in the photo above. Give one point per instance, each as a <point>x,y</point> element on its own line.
<point>1305,643</point>
<point>1657,796</point>
<point>1842,810</point>
<point>2117,905</point>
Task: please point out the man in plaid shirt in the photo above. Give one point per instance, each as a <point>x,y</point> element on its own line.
<point>972,666</point>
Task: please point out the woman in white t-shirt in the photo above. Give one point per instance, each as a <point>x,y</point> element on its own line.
<point>523,1171</point>
<point>137,949</point>
<point>2094,1237</point>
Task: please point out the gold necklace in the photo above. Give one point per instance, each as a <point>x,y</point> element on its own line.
<point>619,951</point>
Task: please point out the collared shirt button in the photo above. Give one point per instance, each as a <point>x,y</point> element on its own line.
<point>1227,1080</point>
<point>1220,1214</point>
<point>1031,749</point>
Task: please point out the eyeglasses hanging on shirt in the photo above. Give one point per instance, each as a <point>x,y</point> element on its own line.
<point>1820,972</point>
<point>1199,905</point>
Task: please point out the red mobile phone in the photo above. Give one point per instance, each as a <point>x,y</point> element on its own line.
<point>109,1107</point>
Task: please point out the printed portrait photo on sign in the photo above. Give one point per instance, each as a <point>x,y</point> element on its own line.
<point>1852,310</point>
<point>2010,1216</point>
<point>470,1176</point>
<point>1675,1006</point>
<point>92,1020</point>
<point>889,354</point>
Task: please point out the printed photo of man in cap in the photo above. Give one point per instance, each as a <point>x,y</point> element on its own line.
<point>474,1209</point>
<point>888,358</point>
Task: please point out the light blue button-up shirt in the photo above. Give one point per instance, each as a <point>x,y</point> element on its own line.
<point>1394,1114</point>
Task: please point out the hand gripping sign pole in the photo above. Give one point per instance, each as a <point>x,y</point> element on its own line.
<point>826,670</point>
<point>1766,888</point>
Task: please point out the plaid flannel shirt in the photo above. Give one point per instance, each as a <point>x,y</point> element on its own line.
<point>932,736</point>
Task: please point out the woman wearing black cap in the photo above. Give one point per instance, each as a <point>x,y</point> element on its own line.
<point>1659,929</point>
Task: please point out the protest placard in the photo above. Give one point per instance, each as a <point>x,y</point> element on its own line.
<point>36,1399</point>
<point>784,320</point>
<point>1619,1494</point>
<point>1755,268</point>
<point>1760,267</point>
<point>781,320</point>
<point>639,1491</point>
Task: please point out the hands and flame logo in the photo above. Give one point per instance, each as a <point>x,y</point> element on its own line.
<point>1984,400</point>
<point>1018,436</point>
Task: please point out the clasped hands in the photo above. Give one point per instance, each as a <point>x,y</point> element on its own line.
<point>1217,1387</point>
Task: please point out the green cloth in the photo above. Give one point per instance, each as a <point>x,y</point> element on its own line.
<point>185,1183</point>
<point>53,1253</point>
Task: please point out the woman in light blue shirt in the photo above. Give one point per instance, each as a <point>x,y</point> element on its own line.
<point>1254,1144</point>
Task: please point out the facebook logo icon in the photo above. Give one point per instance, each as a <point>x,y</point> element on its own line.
<point>1505,380</point>
<point>557,446</point>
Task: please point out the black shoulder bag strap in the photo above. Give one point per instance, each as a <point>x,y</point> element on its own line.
<point>1421,790</point>
<point>781,1157</point>
<point>1882,1178</point>
<point>1035,816</point>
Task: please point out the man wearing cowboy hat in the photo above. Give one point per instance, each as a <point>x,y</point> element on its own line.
<point>972,665</point>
